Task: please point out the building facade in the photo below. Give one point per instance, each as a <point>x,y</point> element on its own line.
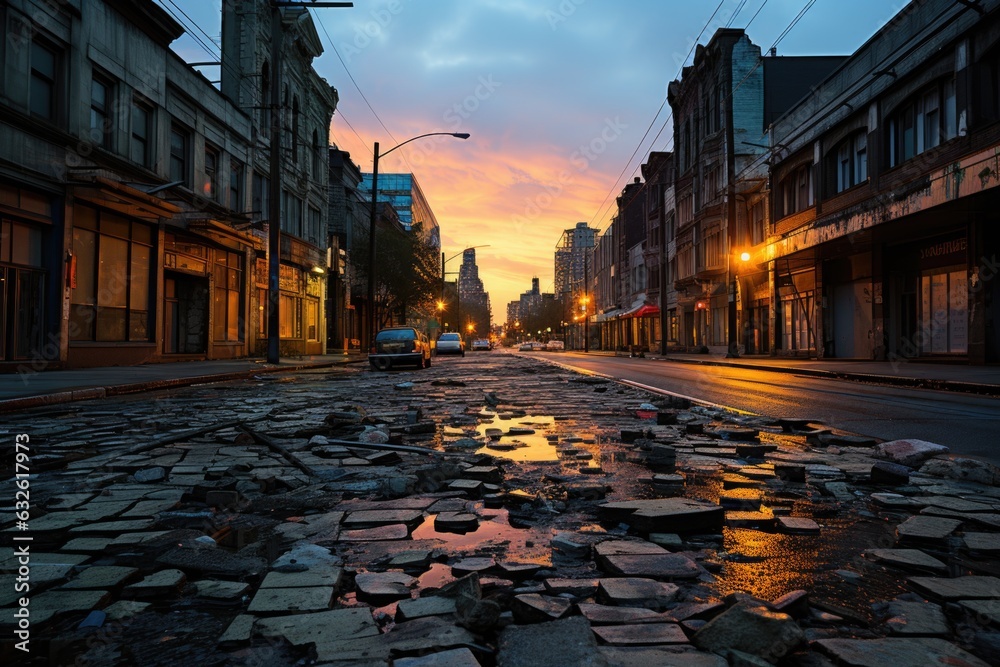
<point>126,181</point>
<point>475,300</point>
<point>885,193</point>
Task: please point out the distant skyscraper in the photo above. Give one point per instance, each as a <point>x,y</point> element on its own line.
<point>571,259</point>
<point>470,286</point>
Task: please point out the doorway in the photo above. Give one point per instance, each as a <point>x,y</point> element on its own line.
<point>185,313</point>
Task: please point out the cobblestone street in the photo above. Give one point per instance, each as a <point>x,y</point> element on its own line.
<point>494,509</point>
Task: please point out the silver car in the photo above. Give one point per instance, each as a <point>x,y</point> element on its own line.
<point>451,343</point>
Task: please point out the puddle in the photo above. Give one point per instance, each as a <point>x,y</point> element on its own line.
<point>505,541</point>
<point>519,445</point>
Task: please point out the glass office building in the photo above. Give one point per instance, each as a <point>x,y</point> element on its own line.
<point>405,195</point>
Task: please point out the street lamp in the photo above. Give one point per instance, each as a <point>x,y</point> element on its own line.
<point>585,302</point>
<point>734,343</point>
<point>371,220</point>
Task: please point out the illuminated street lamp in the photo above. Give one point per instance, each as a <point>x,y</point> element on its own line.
<point>371,221</point>
<point>585,302</point>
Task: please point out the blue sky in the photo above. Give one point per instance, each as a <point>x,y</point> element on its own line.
<point>557,95</point>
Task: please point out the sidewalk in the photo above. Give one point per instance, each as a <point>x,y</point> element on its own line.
<point>927,375</point>
<point>20,391</point>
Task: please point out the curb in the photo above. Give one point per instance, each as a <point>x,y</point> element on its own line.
<point>90,393</point>
<point>871,378</point>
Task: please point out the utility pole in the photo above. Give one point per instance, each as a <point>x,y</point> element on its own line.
<point>274,186</point>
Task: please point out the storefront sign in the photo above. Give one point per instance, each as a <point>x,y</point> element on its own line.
<point>944,248</point>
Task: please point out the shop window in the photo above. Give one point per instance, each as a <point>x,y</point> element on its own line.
<point>290,316</point>
<point>180,168</point>
<point>719,319</point>
<point>312,320</point>
<point>944,315</point>
<point>101,116</point>
<point>228,288</point>
<point>111,299</point>
<point>141,132</point>
<point>798,317</point>
<point>20,244</point>
<point>925,121</point>
<point>43,92</point>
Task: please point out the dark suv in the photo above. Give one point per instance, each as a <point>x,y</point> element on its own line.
<point>400,345</point>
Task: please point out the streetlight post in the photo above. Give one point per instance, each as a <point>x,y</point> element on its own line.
<point>371,223</point>
<point>458,295</point>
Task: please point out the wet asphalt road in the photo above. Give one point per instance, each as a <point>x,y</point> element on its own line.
<point>966,423</point>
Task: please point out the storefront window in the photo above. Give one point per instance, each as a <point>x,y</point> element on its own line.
<point>798,311</point>
<point>312,319</point>
<point>228,283</point>
<point>110,301</point>
<point>944,312</point>
<point>290,316</point>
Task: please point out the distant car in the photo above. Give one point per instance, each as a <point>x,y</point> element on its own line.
<point>450,343</point>
<point>480,344</point>
<point>531,346</point>
<point>555,346</point>
<point>398,346</point>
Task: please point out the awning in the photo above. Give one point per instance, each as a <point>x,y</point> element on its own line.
<point>609,315</point>
<point>646,310</point>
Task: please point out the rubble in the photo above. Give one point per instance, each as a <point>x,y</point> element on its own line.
<point>355,524</point>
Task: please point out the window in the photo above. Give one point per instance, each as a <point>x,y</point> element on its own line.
<point>260,206</point>
<point>265,100</point>
<point>101,119</point>
<point>211,187</point>
<point>295,130</point>
<point>236,185</point>
<point>757,222</point>
<point>141,131</point>
<point>923,122</point>
<point>318,155</point>
<point>289,316</point>
<point>226,320</point>
<point>111,300</point>
<point>314,233</point>
<point>798,312</point>
<point>795,193</point>
<point>712,254</point>
<point>179,168</point>
<point>720,317</point>
<point>291,213</point>
<point>44,70</point>
<point>312,319</point>
<point>851,161</point>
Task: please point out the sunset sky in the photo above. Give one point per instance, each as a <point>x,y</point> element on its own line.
<point>557,95</point>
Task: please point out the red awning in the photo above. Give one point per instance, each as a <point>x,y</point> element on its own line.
<point>646,311</point>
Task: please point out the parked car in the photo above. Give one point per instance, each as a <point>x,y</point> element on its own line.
<point>451,343</point>
<point>555,346</point>
<point>398,346</point>
<point>531,346</point>
<point>480,344</point>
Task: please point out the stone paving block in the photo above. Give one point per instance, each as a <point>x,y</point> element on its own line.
<point>960,588</point>
<point>599,614</point>
<point>122,609</point>
<point>221,590</point>
<point>86,545</point>
<point>660,656</point>
<point>660,566</point>
<point>984,543</point>
<point>324,626</point>
<point>575,587</point>
<point>535,608</point>
<point>380,588</point>
<point>893,652</point>
<point>239,631</point>
<point>926,529</point>
<point>50,604</point>
<point>666,515</point>
<point>797,525</point>
<point>643,634</point>
<point>397,531</point>
<point>407,610</point>
<point>988,611</point>
<point>277,600</point>
<point>568,641</point>
<point>921,619</point>
<point>101,577</point>
<point>637,592</point>
<point>320,575</point>
<point>755,630</point>
<point>458,657</point>
<point>159,584</point>
<point>912,559</point>
<point>375,518</point>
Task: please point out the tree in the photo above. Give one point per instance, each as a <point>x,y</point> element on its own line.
<point>407,272</point>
